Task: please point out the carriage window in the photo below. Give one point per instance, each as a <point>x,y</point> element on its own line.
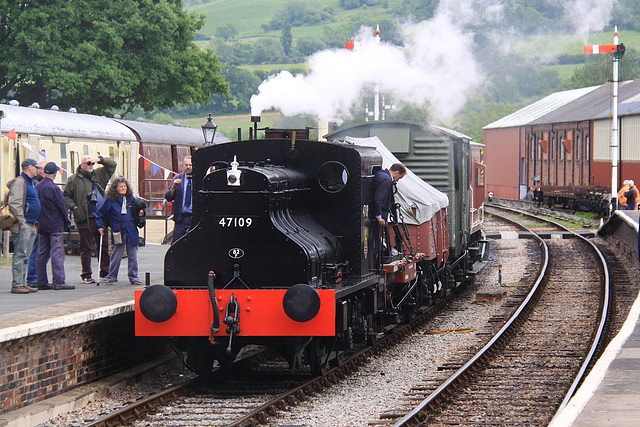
<point>333,177</point>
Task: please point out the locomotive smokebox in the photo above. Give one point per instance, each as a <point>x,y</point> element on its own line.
<point>301,303</point>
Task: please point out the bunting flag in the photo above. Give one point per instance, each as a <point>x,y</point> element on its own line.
<point>12,134</point>
<point>156,167</point>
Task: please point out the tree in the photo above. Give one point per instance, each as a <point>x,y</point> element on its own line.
<point>242,84</point>
<point>98,55</point>
<point>600,70</point>
<point>286,39</point>
<point>227,32</point>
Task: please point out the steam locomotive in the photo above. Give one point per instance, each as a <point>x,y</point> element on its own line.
<point>281,250</point>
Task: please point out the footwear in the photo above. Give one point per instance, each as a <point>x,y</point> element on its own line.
<point>63,286</point>
<point>45,287</point>
<point>19,290</point>
<point>31,288</point>
<point>88,280</point>
<point>136,283</point>
<point>109,282</point>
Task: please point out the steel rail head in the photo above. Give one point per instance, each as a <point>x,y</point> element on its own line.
<point>418,414</point>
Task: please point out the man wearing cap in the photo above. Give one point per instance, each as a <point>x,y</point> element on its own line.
<point>24,204</point>
<point>53,221</point>
<point>83,193</point>
<point>32,279</point>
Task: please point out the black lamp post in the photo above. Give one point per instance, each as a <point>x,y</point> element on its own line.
<point>209,131</point>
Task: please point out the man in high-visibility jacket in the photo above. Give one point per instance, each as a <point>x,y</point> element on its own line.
<point>622,200</point>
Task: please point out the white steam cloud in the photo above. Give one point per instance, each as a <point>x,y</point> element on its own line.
<point>588,16</point>
<point>434,67</point>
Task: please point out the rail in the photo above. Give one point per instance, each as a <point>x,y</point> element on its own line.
<point>417,415</point>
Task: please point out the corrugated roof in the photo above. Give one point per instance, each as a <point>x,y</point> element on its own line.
<point>624,109</point>
<point>169,134</point>
<point>37,121</point>
<point>532,112</point>
<point>590,105</point>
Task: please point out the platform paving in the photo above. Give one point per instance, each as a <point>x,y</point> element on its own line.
<point>18,310</point>
<point>610,395</point>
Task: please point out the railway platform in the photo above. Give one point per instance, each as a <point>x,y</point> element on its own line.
<point>610,395</point>
<point>63,340</point>
<point>23,314</point>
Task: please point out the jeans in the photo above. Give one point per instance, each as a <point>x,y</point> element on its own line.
<point>32,278</point>
<point>116,257</point>
<point>22,247</point>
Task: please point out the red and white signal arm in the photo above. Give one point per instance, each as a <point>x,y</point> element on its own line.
<point>600,48</point>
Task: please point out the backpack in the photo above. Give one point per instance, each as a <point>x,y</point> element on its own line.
<point>7,219</point>
<point>137,205</point>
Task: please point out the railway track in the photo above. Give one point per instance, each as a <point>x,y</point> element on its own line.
<point>248,394</point>
<point>532,366</point>
<point>560,358</point>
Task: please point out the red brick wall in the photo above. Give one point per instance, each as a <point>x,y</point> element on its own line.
<point>45,365</point>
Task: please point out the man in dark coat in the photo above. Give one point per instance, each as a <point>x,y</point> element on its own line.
<point>54,218</point>
<point>180,194</point>
<point>83,193</point>
<point>383,181</point>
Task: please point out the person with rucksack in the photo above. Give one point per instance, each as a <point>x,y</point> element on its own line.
<point>25,206</point>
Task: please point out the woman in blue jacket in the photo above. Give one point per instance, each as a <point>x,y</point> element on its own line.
<point>116,213</point>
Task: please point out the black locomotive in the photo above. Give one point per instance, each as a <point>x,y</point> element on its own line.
<point>281,253</point>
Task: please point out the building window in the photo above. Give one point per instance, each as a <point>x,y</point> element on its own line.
<point>587,148</point>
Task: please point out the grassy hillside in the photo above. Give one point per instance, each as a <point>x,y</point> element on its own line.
<point>247,16</point>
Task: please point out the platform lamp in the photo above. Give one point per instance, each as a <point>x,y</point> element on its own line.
<point>209,131</point>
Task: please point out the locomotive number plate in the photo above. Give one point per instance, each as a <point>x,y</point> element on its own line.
<point>235,222</point>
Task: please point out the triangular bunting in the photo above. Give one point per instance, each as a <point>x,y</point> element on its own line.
<point>146,163</point>
<point>155,169</point>
<point>12,134</point>
<point>166,173</point>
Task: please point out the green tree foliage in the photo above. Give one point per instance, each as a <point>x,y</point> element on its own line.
<point>242,84</point>
<point>286,39</point>
<point>625,14</point>
<point>227,32</point>
<point>419,10</point>
<point>479,113</point>
<point>599,70</point>
<point>297,13</point>
<point>97,55</point>
<point>309,45</point>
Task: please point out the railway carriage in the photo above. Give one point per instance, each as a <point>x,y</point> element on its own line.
<point>64,137</point>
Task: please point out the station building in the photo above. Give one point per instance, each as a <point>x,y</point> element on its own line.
<point>563,141</point>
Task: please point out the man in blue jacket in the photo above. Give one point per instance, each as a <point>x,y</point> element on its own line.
<point>25,206</point>
<point>383,181</point>
<point>181,195</point>
<point>54,219</point>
